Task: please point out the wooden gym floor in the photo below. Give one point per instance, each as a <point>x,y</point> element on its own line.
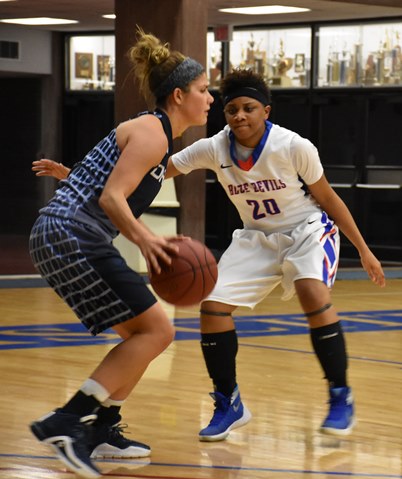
<point>45,356</point>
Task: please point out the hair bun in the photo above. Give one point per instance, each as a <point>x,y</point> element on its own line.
<point>160,53</point>
<point>152,61</point>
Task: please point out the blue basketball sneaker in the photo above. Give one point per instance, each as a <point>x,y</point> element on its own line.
<point>341,418</point>
<point>229,414</point>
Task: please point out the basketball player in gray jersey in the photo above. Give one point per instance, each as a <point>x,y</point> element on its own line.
<point>71,246</point>
<point>289,238</point>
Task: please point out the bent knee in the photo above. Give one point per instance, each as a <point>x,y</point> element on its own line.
<point>167,335</point>
<point>160,335</point>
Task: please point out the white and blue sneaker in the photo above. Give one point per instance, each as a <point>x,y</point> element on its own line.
<point>68,435</point>
<point>108,442</point>
<point>341,418</point>
<point>229,414</point>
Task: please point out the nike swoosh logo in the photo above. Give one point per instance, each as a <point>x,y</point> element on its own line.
<point>236,408</point>
<point>328,336</point>
<point>226,166</point>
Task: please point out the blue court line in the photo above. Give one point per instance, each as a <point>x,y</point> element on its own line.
<point>290,324</point>
<point>74,334</point>
<point>218,467</point>
<point>35,281</point>
<point>290,350</point>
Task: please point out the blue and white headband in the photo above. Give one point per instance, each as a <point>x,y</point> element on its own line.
<point>187,71</point>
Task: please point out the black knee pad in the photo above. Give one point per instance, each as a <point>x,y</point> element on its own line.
<point>214,313</point>
<point>318,311</point>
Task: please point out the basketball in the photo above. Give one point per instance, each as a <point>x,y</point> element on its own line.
<point>189,278</point>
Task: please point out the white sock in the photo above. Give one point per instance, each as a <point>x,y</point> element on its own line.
<point>93,388</point>
<point>112,402</point>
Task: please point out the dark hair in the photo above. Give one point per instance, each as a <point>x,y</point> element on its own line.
<point>244,82</point>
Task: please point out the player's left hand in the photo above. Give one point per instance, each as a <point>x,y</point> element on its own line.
<point>163,256</point>
<point>156,251</point>
<point>373,268</point>
<point>45,167</point>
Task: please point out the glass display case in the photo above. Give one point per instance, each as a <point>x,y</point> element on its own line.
<point>90,62</point>
<point>281,55</point>
<point>359,55</point>
<point>214,59</point>
<point>347,55</point>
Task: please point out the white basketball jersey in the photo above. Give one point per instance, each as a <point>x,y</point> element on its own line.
<point>269,197</point>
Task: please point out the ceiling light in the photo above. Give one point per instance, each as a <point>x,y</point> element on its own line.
<point>264,10</point>
<point>112,16</point>
<point>38,21</point>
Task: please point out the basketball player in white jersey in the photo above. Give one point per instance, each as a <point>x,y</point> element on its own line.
<point>289,238</point>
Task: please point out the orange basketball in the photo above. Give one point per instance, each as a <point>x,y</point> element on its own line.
<point>189,278</point>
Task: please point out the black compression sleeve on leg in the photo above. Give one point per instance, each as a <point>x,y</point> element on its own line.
<point>219,350</point>
<point>329,346</point>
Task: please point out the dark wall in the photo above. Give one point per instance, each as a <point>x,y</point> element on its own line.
<point>20,138</point>
<point>87,118</point>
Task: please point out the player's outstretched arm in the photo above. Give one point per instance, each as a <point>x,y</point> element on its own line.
<point>333,205</point>
<point>45,167</point>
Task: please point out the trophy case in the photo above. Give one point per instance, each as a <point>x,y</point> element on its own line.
<point>214,60</point>
<point>281,55</point>
<point>358,54</point>
<point>354,55</point>
<point>88,102</point>
<point>90,62</point>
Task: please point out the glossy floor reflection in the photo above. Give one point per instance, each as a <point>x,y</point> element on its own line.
<point>44,357</point>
